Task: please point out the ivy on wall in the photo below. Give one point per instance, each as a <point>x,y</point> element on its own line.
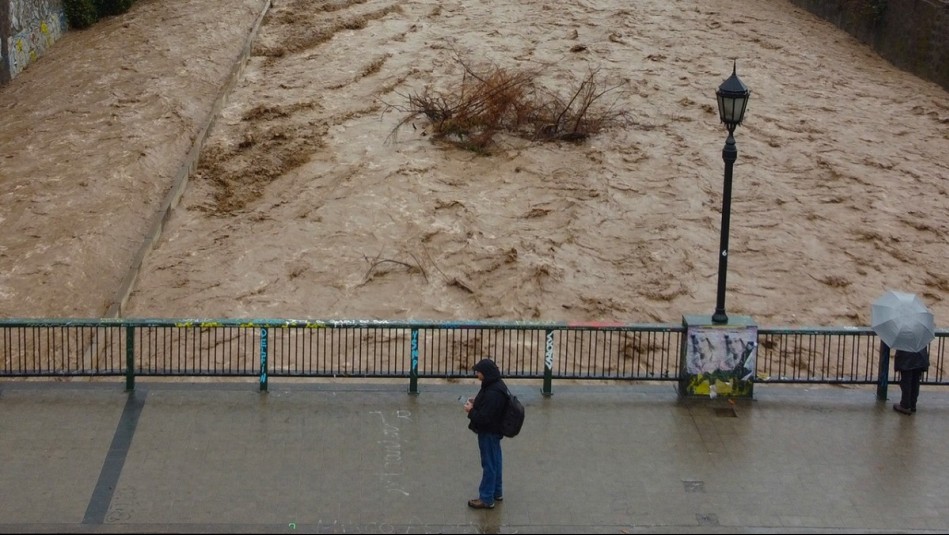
<point>85,13</point>
<point>876,8</point>
<point>80,13</point>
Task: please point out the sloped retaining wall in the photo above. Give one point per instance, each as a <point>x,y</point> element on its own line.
<point>27,29</point>
<point>911,34</point>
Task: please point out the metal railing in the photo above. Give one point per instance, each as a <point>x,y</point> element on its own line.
<point>416,350</point>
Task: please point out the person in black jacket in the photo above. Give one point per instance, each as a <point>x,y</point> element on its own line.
<point>912,366</point>
<point>484,414</point>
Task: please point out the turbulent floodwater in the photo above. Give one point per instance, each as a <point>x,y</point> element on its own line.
<point>311,201</point>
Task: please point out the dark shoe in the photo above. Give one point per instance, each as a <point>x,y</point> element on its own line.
<point>900,409</point>
<point>478,504</point>
<point>499,498</point>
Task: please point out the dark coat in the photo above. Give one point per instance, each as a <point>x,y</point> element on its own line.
<point>488,406</point>
<point>908,360</point>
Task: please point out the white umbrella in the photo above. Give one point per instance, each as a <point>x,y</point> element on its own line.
<point>902,321</point>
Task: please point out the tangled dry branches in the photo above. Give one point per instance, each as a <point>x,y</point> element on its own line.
<point>510,102</point>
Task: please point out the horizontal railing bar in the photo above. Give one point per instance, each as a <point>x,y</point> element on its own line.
<point>233,347</point>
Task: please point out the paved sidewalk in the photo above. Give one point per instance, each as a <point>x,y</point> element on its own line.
<point>371,458</point>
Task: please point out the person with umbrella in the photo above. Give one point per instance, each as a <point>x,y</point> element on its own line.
<point>903,323</point>
<point>911,365</point>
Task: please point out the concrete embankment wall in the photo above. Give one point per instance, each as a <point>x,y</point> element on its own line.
<point>911,34</point>
<point>27,29</point>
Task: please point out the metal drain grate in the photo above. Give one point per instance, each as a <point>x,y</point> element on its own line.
<point>710,519</point>
<point>692,485</point>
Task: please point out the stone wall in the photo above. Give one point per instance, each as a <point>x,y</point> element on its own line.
<point>27,29</point>
<point>911,34</point>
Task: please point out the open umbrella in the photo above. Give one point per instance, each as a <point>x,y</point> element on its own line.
<point>902,321</point>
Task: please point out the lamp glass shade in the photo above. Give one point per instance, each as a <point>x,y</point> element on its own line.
<point>733,98</point>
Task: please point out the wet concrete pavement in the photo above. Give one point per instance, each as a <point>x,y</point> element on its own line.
<point>370,457</point>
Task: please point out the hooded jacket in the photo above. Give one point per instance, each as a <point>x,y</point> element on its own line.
<point>488,407</point>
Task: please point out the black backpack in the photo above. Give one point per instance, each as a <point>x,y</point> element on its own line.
<point>513,417</point>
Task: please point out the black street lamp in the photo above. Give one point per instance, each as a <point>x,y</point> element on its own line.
<point>732,100</point>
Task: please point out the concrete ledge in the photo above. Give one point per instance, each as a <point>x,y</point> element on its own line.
<point>184,172</point>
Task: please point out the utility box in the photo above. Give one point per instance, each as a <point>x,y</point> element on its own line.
<point>718,359</point>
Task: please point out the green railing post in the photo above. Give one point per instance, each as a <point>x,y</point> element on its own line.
<point>413,372</point>
<point>263,359</point>
<point>548,363</point>
<point>129,358</point>
<point>883,382</point>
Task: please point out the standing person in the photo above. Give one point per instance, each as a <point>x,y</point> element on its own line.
<point>485,412</point>
<point>912,366</point>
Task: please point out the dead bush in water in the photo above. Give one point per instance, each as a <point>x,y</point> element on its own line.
<point>510,102</point>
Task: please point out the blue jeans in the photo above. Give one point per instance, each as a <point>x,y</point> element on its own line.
<point>489,444</point>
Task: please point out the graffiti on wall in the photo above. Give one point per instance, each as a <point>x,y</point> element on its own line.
<point>720,360</point>
<point>34,26</point>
